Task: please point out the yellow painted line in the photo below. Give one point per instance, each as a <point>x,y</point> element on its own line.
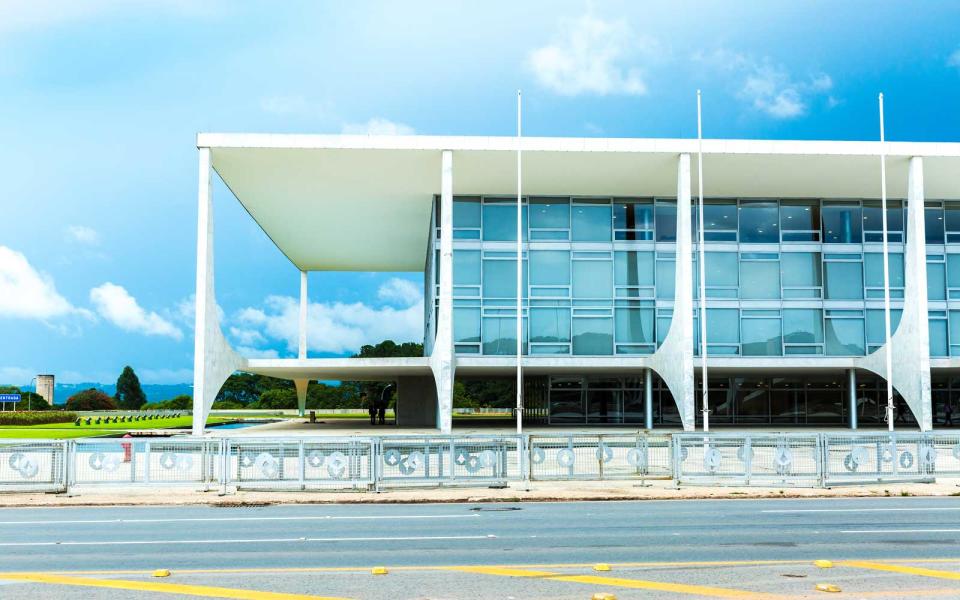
<point>165,588</point>
<point>906,570</point>
<point>639,584</point>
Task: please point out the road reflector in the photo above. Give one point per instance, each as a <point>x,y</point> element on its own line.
<point>823,564</point>
<point>161,573</point>
<point>603,596</point>
<point>827,587</point>
<point>601,567</point>
<point>379,570</point>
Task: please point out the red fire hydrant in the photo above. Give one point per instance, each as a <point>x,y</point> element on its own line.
<point>126,448</point>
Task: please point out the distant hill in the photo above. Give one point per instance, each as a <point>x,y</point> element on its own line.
<point>155,392</point>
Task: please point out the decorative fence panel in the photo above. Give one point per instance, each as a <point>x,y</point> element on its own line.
<point>292,463</point>
<point>598,456</point>
<point>448,460</point>
<point>878,457</point>
<point>33,465</point>
<point>751,459</point>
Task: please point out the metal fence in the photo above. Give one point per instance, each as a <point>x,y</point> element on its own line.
<point>291,463</point>
<point>598,456</point>
<point>753,459</point>
<point>33,465</point>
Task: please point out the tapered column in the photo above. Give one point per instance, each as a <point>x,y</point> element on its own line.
<point>302,354</point>
<point>442,359</point>
<point>648,399</point>
<point>852,397</point>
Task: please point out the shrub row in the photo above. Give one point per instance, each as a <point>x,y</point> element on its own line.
<point>24,417</point>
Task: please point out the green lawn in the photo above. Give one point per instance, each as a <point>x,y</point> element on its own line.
<point>69,430</point>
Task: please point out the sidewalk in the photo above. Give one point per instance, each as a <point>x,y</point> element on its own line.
<point>538,492</point>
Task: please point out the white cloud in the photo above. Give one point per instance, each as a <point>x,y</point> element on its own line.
<point>247,337</point>
<point>27,293</point>
<point>117,306</point>
<point>83,235</point>
<point>954,59</point>
<point>770,88</point>
<point>593,56</point>
<point>378,126</point>
<point>402,292</point>
<point>249,352</point>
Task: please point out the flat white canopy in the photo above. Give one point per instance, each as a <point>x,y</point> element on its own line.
<point>362,203</point>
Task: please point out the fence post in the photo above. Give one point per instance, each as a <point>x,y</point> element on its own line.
<point>224,465</point>
<point>301,471</point>
<point>65,467</point>
<point>146,462</point>
<point>748,457</point>
<point>376,456</point>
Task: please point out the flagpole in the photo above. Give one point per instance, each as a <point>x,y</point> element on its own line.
<point>886,269</point>
<point>704,402</point>
<point>519,268</point>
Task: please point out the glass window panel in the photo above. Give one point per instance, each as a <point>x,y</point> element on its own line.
<point>933,221</point>
<point>936,281</point>
<point>800,215</point>
<point>955,332</point>
<point>951,215</point>
<point>719,215</point>
<point>592,279</point>
<point>953,270</point>
<point>550,213</point>
<point>841,223</point>
<point>721,269</point>
<point>500,335</point>
<point>844,281</point>
<point>566,406</point>
<point>633,268</point>
<point>500,279</point>
<point>666,220</point>
<point>844,337</point>
<point>761,337</point>
<point>633,215</point>
<point>550,324</point>
<point>800,269</point>
<point>466,212</point>
<point>938,337</point>
<point>666,279</point>
<point>635,325</point>
<point>549,267</point>
<point>873,269</point>
<point>802,326</point>
<point>591,223</point>
<point>723,326</point>
<point>500,221</point>
<point>760,279</point>
<point>873,216</point>
<point>466,267</point>
<point>876,330</point>
<point>759,222</point>
<point>466,325</point>
<point>593,337</point>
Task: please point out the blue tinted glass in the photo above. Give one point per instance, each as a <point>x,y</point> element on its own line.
<point>761,337</point>
<point>876,330</point>
<point>551,324</point>
<point>841,223</point>
<point>873,216</point>
<point>955,332</point>
<point>500,279</point>
<point>802,326</point>
<point>593,336</point>
<point>466,325</point>
<point>663,327</point>
<point>466,267</point>
<point>549,267</point>
<point>592,223</point>
<point>759,223</point>
<point>800,269</point>
<point>933,222</point>
<point>466,212</point>
<point>800,215</point>
<point>499,335</point>
<point>666,279</point>
<point>873,269</point>
<point>551,213</point>
<point>844,281</point>
<point>592,279</point>
<point>720,215</point>
<point>938,337</point>
<point>936,281</point>
<point>721,269</point>
<point>760,279</point>
<point>844,337</point>
<point>634,325</point>
<point>666,219</point>
<point>634,268</point>
<point>633,215</point>
<point>723,326</point>
<point>953,270</point>
<point>500,221</point>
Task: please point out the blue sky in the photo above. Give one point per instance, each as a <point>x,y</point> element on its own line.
<point>101,101</point>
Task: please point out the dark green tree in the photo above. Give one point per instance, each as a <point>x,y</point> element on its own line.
<point>129,394</point>
<point>92,399</point>
<point>28,400</point>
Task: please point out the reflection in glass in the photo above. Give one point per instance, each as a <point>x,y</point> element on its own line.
<point>761,337</point>
<point>549,213</point>
<point>633,219</point>
<point>938,337</point>
<point>933,222</point>
<point>466,211</point>
<point>466,267</point>
<point>466,325</point>
<point>593,336</point>
<point>723,326</point>
<point>721,269</point>
<point>633,268</point>
<point>635,325</point>
<point>936,281</point>
<point>550,324</point>
<point>841,223</point>
<point>666,220</point>
<point>759,279</point>
<point>591,222</point>
<point>844,280</point>
<point>500,220</point>
<point>759,222</point>
<point>800,269</point>
<point>802,326</point>
<point>800,220</point>
<point>549,267</point>
<point>592,279</point>
<point>844,337</point>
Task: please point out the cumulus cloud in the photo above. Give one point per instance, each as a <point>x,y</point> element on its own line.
<point>117,306</point>
<point>26,293</point>
<point>770,88</point>
<point>400,291</point>
<point>593,56</point>
<point>83,235</point>
<point>249,352</point>
<point>378,126</point>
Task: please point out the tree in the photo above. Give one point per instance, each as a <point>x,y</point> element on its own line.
<point>129,393</point>
<point>28,400</point>
<point>92,399</point>
<point>276,399</point>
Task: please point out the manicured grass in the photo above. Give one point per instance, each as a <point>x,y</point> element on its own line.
<point>69,430</point>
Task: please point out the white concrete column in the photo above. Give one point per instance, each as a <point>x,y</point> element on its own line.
<point>852,397</point>
<point>301,385</point>
<point>673,361</point>
<point>302,354</point>
<point>648,398</point>
<point>443,359</point>
<point>213,358</point>
<point>911,341</point>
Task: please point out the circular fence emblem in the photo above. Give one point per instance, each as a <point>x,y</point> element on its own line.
<point>906,459</point>
<point>538,455</point>
<point>712,459</point>
<point>487,459</point>
<point>566,457</point>
<point>928,456</point>
<point>412,462</point>
<point>604,453</point>
<point>887,455</point>
<point>14,460</point>
<point>168,460</point>
<point>315,459</point>
<point>637,458</point>
<point>743,454</point>
<point>392,457</point>
<point>106,462</point>
<point>473,464</point>
<point>783,458</point>
<point>462,457</point>
<point>184,462</point>
<point>28,468</point>
<point>337,465</point>
<point>268,465</point>
<point>683,453</point>
<point>856,457</point>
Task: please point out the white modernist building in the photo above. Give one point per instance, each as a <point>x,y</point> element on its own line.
<point>610,296</point>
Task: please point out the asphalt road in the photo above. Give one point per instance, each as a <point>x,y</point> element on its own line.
<point>764,546</point>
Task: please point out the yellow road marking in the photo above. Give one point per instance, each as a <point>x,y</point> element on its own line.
<point>639,584</point>
<point>166,588</point>
<point>875,566</point>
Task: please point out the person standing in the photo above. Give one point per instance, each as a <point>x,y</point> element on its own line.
<point>384,402</point>
<point>371,407</point>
